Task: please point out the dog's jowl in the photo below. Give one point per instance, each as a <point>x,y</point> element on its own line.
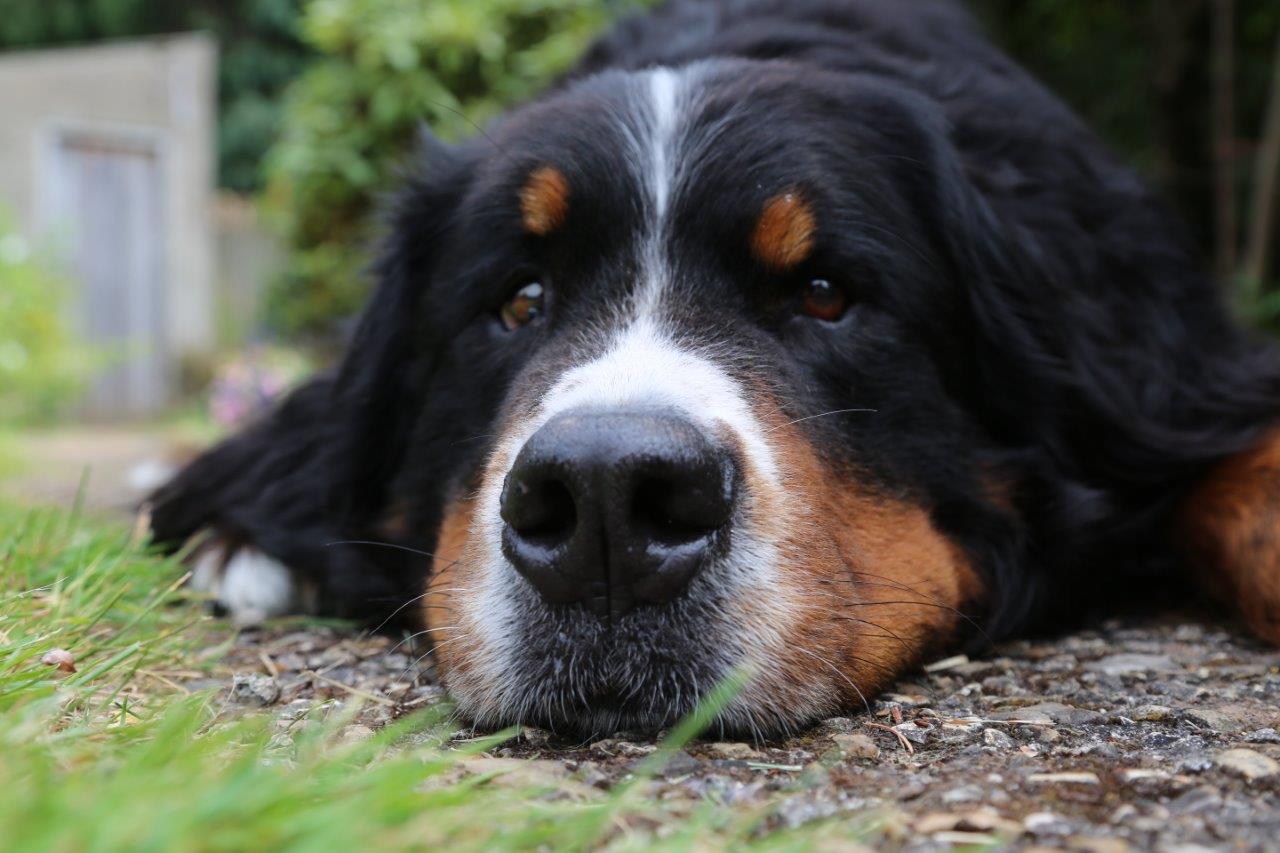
<point>793,340</point>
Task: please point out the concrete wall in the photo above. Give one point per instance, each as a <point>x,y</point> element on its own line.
<point>159,93</point>
<point>248,257</point>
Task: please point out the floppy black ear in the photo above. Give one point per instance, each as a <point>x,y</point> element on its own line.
<point>1102,360</point>
<point>1097,335</point>
<point>313,473</point>
<point>379,384</point>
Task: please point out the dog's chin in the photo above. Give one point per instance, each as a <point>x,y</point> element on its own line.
<point>580,676</point>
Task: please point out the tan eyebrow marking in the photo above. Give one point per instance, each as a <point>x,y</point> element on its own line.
<point>783,236</point>
<point>544,200</point>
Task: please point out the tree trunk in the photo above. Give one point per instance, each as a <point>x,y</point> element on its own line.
<point>1266,170</point>
<point>1223,107</point>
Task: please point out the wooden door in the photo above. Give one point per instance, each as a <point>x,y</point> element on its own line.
<point>108,204</point>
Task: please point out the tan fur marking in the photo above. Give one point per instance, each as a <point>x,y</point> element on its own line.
<point>1231,531</point>
<point>884,587</point>
<point>452,576</point>
<point>783,235</point>
<point>544,200</point>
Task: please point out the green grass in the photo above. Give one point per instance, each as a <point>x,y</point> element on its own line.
<point>116,756</point>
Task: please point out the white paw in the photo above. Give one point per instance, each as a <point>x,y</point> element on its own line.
<point>250,585</point>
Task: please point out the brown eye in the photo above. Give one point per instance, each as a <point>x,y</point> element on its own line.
<point>824,300</point>
<point>524,307</point>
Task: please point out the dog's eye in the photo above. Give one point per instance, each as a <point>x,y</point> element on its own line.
<point>824,300</point>
<point>524,307</point>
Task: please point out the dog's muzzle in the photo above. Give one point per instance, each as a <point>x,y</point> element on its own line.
<point>616,509</point>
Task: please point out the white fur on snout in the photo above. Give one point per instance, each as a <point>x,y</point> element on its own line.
<point>250,585</point>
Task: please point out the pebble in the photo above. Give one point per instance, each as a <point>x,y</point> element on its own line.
<point>1213,720</point>
<point>1128,663</point>
<point>1057,712</point>
<point>1091,844</point>
<point>254,690</point>
<point>1263,736</point>
<point>856,746</point>
<point>914,732</point>
<point>356,734</point>
<point>837,725</point>
<point>1151,713</point>
<point>1248,764</point>
<point>997,738</point>
<point>1203,798</point>
<point>535,737</point>
<point>737,751</point>
<point>680,764</point>
<point>1067,778</point>
<point>1046,823</point>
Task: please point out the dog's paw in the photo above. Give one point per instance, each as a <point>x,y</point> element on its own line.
<point>247,585</point>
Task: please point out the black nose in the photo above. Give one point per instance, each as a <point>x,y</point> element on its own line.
<point>615,509</point>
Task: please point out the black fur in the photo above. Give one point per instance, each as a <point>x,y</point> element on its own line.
<point>1028,313</point>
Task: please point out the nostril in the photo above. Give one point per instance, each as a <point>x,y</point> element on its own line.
<point>675,510</point>
<point>540,512</point>
<point>556,518</point>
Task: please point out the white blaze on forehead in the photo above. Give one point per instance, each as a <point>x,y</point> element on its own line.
<point>665,90</point>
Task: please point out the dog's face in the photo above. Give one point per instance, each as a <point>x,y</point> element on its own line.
<point>685,365</point>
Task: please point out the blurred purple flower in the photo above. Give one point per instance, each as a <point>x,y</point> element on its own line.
<point>248,385</point>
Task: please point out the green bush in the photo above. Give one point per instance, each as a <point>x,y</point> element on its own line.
<point>43,366</point>
<point>387,66</point>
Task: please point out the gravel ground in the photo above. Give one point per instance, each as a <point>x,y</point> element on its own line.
<point>1148,734</point>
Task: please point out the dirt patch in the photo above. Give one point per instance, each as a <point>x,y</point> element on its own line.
<point>1145,735</point>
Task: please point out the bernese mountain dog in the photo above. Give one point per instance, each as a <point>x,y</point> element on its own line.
<point>800,339</point>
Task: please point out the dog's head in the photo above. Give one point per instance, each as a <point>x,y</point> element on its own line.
<point>678,369</point>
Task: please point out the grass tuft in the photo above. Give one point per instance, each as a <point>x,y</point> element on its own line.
<point>118,756</point>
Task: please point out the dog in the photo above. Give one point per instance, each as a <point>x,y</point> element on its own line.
<point>791,339</point>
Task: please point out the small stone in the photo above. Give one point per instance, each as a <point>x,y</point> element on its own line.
<point>1248,764</point>
<point>1213,720</point>
<point>1150,713</point>
<point>1047,735</point>
<point>252,689</point>
<point>1196,800</point>
<point>836,725</point>
<point>946,664</point>
<point>987,820</point>
<point>680,764</point>
<point>964,794</point>
<point>1132,664</point>
<point>936,822</point>
<point>357,734</point>
<point>1089,844</point>
<point>997,738</point>
<point>61,658</point>
<point>914,732</point>
<point>1057,712</point>
<point>535,737</point>
<point>1069,778</point>
<point>961,728</point>
<point>856,746</point>
<point>736,751</point>
<point>1046,823</point>
<point>1263,736</point>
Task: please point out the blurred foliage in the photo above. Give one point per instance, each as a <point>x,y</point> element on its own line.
<point>1138,71</point>
<point>43,366</point>
<point>387,67</point>
<point>260,53</point>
